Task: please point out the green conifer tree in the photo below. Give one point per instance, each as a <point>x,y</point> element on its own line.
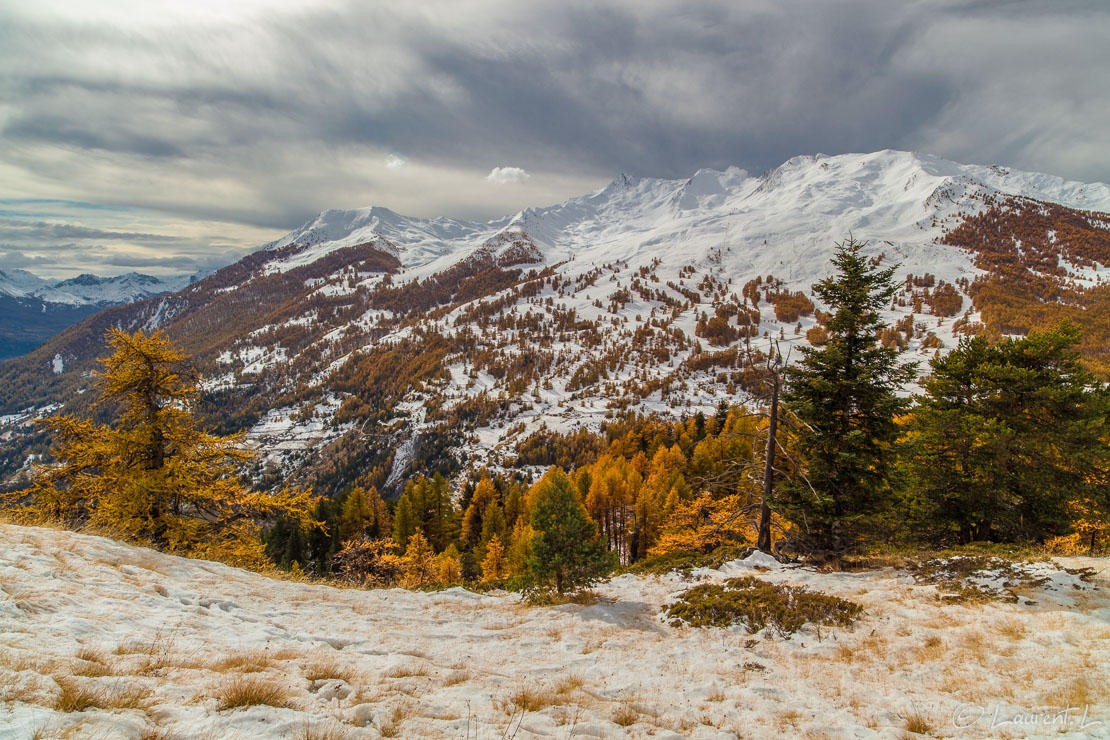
<point>1007,439</point>
<point>845,393</point>
<point>566,548</point>
<point>404,522</point>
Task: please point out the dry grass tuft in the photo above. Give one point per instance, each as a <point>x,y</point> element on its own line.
<point>24,661</point>
<point>569,684</point>
<point>625,716</point>
<point>918,723</point>
<point>1012,629</point>
<point>391,726</point>
<point>77,696</point>
<point>456,677</point>
<point>329,730</point>
<point>408,670</point>
<point>717,694</point>
<point>327,669</point>
<point>529,699</point>
<point>156,656</point>
<point>247,661</point>
<point>91,662</point>
<point>251,691</point>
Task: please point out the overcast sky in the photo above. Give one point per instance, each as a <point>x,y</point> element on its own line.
<point>171,136</point>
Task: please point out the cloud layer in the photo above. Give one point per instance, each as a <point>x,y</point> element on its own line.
<point>255,115</point>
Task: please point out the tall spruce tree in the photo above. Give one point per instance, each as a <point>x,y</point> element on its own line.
<point>845,393</point>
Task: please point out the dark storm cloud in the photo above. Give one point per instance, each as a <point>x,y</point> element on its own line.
<point>49,231</point>
<point>266,118</point>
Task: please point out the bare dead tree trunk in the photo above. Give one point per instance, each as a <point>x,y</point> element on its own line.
<point>763,541</point>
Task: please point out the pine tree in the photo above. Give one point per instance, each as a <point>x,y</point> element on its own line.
<point>845,393</point>
<point>484,495</point>
<point>363,512</point>
<point>286,543</point>
<point>154,474</point>
<point>493,524</point>
<point>1006,442</point>
<point>429,509</point>
<point>323,536</point>
<point>404,524</point>
<point>565,547</point>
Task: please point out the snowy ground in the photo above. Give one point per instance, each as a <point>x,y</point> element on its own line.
<point>165,640</point>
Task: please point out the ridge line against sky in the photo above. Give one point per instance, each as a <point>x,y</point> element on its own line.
<point>172,137</point>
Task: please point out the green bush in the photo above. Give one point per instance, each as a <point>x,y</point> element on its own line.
<point>757,604</point>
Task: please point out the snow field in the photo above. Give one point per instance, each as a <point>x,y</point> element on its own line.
<point>169,643</point>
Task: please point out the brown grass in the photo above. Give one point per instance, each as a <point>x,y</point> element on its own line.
<point>77,696</point>
<point>1081,691</point>
<point>329,730</point>
<point>408,670</point>
<point>250,691</point>
<point>456,677</point>
<point>326,669</point>
<point>569,684</point>
<point>625,716</point>
<point>391,725</point>
<point>24,661</point>
<point>530,699</point>
<point>157,655</point>
<point>1012,629</point>
<point>247,661</point>
<point>91,662</point>
<point>918,723</point>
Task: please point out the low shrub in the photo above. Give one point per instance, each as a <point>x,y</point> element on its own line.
<point>757,604</point>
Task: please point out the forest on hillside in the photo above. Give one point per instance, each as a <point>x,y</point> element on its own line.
<point>1006,443</point>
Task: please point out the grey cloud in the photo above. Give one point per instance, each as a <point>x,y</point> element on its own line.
<point>17,258</point>
<point>266,122</point>
<point>49,231</point>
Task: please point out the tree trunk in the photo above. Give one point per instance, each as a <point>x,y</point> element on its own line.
<point>763,542</point>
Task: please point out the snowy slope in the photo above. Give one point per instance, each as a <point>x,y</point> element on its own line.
<point>618,282</point>
<point>20,283</point>
<point>87,288</point>
<point>798,208</point>
<point>166,636</point>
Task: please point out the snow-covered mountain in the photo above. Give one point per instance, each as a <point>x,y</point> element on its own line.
<point>370,341</point>
<point>35,309</point>
<point>87,288</point>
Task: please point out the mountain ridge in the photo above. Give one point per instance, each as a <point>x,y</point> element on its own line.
<point>370,345</point>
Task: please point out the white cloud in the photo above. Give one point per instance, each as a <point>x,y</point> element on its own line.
<point>395,162</point>
<point>506,175</point>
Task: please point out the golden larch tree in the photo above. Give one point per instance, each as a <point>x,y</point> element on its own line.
<point>153,474</point>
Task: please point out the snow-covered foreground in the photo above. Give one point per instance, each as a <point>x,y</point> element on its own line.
<point>167,641</point>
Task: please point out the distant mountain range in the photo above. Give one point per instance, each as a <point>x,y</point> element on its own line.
<point>369,346</point>
<point>35,309</point>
